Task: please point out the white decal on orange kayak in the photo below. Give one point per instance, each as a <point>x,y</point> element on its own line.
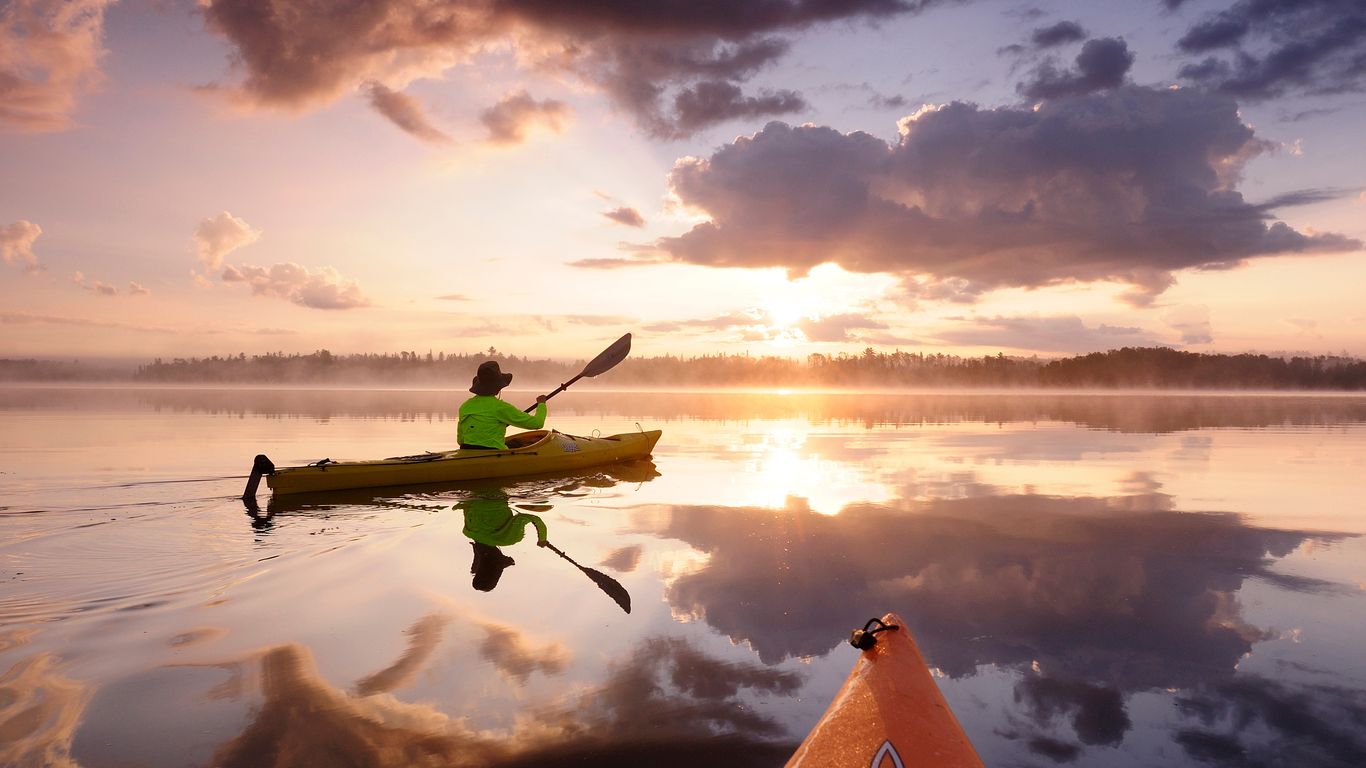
<point>886,752</point>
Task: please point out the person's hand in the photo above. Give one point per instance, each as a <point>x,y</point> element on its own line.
<point>541,398</point>
<point>543,543</point>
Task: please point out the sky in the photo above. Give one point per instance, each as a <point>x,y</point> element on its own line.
<point>766,177</point>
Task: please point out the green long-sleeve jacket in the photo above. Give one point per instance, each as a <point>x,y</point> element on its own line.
<point>492,522</point>
<point>484,420</point>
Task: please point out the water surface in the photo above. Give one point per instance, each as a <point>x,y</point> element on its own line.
<point>1096,579</point>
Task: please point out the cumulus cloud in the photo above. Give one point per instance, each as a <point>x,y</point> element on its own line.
<point>137,289</point>
<point>404,111</point>
<point>1101,64</point>
<point>1056,333</point>
<point>626,215</point>
<point>674,67</point>
<point>16,244</point>
<point>1058,34</point>
<point>217,236</point>
<point>49,55</point>
<point>323,289</point>
<point>514,115</point>
<point>1127,185</point>
<point>1262,50</point>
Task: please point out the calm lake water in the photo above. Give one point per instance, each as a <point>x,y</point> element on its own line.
<point>1119,580</point>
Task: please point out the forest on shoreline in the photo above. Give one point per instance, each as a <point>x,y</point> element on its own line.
<point>1129,367</point>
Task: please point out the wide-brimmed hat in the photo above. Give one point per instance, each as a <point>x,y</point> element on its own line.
<point>489,380</point>
<point>488,566</point>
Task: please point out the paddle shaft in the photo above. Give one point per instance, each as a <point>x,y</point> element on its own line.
<point>604,362</point>
<point>607,584</point>
<point>557,391</point>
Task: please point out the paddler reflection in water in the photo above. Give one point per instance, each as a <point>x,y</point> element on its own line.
<point>490,523</point>
<point>484,418</point>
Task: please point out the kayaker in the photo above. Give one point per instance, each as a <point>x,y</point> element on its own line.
<point>490,523</point>
<point>484,418</point>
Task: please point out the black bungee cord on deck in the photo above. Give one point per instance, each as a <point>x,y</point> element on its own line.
<point>866,638</point>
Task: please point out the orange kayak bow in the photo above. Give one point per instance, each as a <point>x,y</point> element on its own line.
<point>889,714</point>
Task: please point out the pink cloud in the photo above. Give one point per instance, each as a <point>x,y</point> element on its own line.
<point>16,244</point>
<point>323,289</point>
<point>404,111</point>
<point>509,121</point>
<point>217,236</point>
<point>49,55</point>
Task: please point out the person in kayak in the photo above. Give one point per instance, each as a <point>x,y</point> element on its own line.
<point>490,523</point>
<point>484,418</point>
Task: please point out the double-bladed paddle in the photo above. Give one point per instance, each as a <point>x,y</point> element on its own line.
<point>606,583</point>
<point>601,364</point>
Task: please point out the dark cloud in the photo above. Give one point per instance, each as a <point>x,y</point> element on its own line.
<point>1124,593</point>
<point>1058,34</point>
<point>715,101</point>
<point>1097,711</point>
<point>1101,65</point>
<point>880,101</point>
<point>404,111</point>
<point>1127,185</point>
<point>1053,749</point>
<point>1270,48</point>
<point>1214,33</point>
<point>674,66</point>
<point>514,115</point>
<point>1254,721</point>
<point>626,215</point>
<point>1057,333</point>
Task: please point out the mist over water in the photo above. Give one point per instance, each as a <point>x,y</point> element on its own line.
<point>1117,579</point>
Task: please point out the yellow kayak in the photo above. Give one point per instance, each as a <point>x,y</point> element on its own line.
<point>529,453</point>
<point>889,714</point>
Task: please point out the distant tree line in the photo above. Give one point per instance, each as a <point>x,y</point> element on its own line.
<point>1130,367</point>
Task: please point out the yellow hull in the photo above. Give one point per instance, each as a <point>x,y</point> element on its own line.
<point>529,453</point>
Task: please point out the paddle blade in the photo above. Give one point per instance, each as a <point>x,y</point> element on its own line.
<point>611,586</point>
<point>609,357</point>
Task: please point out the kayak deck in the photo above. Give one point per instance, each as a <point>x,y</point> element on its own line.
<point>888,714</point>
<point>528,453</point>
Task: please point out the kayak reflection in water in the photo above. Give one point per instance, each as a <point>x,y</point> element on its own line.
<point>490,523</point>
<point>484,418</point>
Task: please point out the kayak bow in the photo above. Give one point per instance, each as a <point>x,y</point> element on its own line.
<point>889,714</point>
<point>528,453</point>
